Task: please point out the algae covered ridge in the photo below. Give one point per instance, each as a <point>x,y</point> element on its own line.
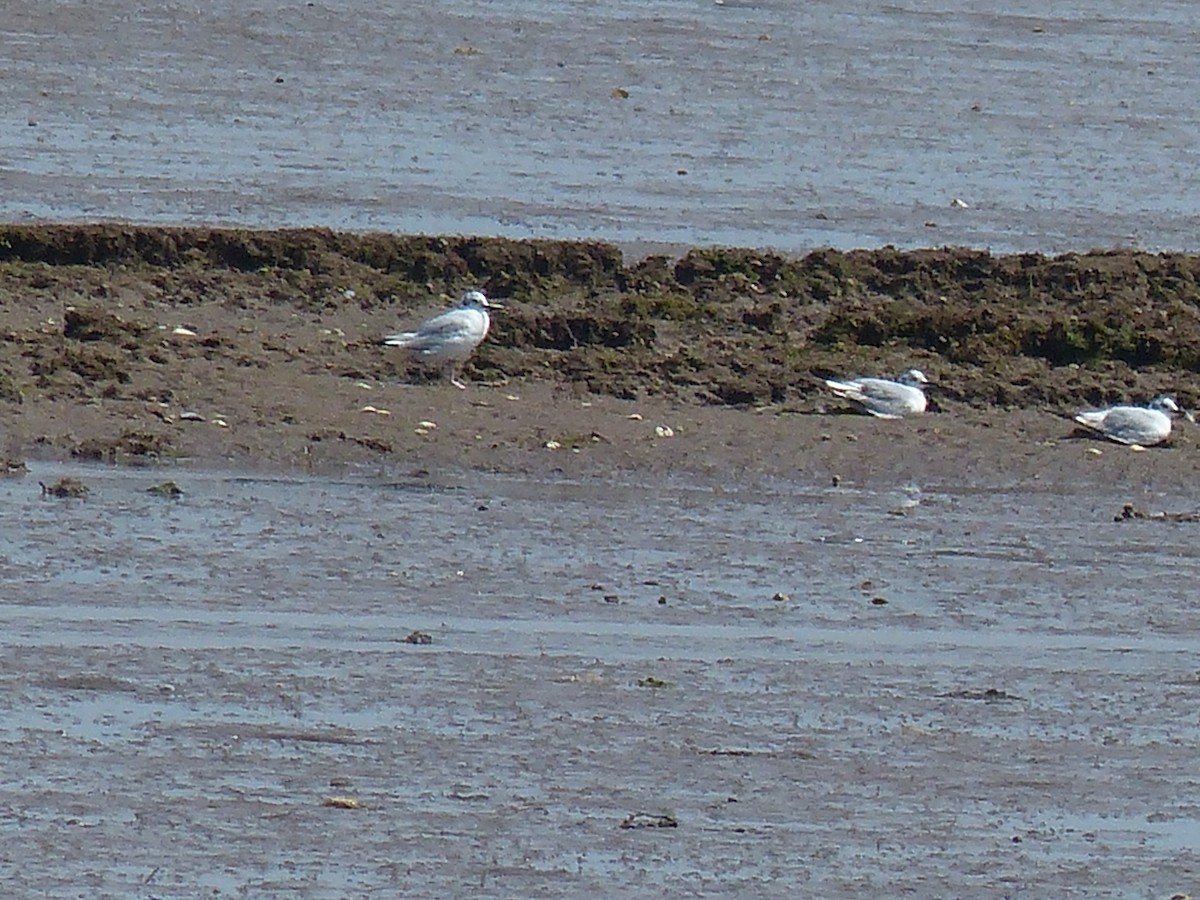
<point>715,325</point>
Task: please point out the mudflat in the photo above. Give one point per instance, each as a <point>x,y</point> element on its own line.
<point>688,124</point>
<point>487,685</point>
<point>643,611</point>
<point>261,349</point>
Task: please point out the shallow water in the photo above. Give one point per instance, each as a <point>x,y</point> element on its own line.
<point>186,680</point>
<point>750,123</point>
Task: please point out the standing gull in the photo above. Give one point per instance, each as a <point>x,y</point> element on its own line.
<point>1141,426</point>
<point>883,398</point>
<point>448,339</point>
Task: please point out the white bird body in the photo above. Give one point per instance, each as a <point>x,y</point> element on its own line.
<point>883,398</point>
<point>451,337</point>
<point>1142,426</point>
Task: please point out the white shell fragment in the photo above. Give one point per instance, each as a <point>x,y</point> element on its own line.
<point>664,431</point>
<point>376,410</point>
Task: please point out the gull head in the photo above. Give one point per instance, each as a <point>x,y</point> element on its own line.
<point>1165,403</point>
<point>477,300</point>
<point>913,378</point>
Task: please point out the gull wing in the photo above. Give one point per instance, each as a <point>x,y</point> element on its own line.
<point>447,326</point>
<point>880,397</point>
<point>1128,424</point>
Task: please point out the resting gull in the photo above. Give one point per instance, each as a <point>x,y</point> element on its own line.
<point>883,398</point>
<point>1141,426</point>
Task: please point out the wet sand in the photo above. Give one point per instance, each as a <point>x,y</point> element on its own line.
<point>951,673</point>
<point>678,123</point>
<point>262,349</point>
<point>947,691</point>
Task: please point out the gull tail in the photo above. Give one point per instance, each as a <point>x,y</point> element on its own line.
<point>845,390</point>
<point>403,339</point>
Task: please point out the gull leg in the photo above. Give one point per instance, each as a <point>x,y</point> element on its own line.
<point>454,379</point>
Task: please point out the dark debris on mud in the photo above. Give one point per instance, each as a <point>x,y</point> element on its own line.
<point>65,488</point>
<point>92,682</point>
<point>649,820</point>
<point>365,441</point>
<point>1129,513</point>
<point>12,467</point>
<point>342,803</point>
<point>129,444</point>
<point>719,325</point>
<point>988,695</point>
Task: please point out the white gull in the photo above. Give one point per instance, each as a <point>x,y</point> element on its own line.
<point>448,339</point>
<point>883,398</point>
<point>1141,426</point>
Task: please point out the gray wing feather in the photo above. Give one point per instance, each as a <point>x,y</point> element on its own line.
<point>882,390</point>
<point>1134,425</point>
<point>880,397</point>
<point>435,331</point>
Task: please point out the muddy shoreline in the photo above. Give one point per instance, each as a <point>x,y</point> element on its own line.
<point>926,678</point>
<point>950,674</point>
<point>129,344</point>
<point>925,692</point>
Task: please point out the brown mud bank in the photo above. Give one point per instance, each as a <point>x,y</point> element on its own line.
<point>116,337</point>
